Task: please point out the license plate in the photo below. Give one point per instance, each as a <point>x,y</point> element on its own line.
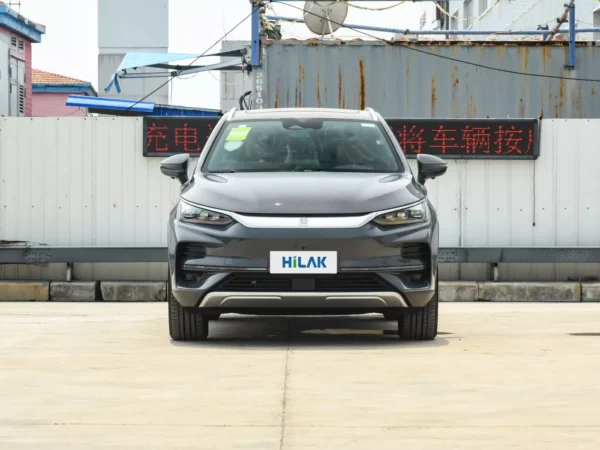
<point>303,262</point>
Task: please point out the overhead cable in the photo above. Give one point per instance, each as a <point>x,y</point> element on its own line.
<point>383,8</point>
<point>190,64</point>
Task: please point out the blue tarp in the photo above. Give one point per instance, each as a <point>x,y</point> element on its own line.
<point>138,60</point>
<point>134,60</point>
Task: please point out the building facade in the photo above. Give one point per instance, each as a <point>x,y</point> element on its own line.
<point>503,15</point>
<point>17,33</point>
<point>50,93</point>
<point>119,34</point>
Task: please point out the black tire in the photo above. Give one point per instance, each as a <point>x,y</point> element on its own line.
<point>185,324</point>
<point>423,324</point>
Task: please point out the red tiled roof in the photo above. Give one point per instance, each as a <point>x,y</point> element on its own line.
<point>42,77</point>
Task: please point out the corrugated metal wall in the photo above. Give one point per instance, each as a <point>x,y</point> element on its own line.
<point>84,181</point>
<point>407,81</point>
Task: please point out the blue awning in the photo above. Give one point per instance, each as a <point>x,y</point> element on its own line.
<point>122,107</point>
<point>139,60</point>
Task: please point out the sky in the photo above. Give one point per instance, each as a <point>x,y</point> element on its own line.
<point>70,45</point>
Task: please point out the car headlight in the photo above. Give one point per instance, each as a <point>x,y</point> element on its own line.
<point>404,216</point>
<point>193,214</point>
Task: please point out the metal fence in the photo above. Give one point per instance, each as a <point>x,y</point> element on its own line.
<point>84,182</point>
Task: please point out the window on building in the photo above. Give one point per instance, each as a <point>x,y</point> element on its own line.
<point>13,41</point>
<point>468,14</point>
<point>21,45</point>
<point>483,6</point>
<point>454,20</point>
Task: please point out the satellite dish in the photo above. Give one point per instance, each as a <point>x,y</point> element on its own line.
<point>324,17</point>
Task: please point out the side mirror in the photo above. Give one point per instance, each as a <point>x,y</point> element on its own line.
<point>176,166</point>
<point>430,167</point>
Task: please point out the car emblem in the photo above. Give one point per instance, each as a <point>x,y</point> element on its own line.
<point>303,222</point>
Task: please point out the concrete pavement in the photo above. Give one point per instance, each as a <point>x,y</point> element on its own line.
<point>106,375</point>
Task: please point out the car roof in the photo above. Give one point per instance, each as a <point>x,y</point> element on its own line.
<point>316,113</point>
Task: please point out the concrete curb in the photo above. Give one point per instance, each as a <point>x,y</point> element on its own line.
<point>155,291</point>
<point>458,291</point>
<point>530,292</point>
<point>24,291</point>
<point>138,291</point>
<point>75,291</point>
<point>590,292</point>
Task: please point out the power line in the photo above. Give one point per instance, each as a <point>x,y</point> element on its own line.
<point>449,58</point>
<point>196,59</point>
<point>383,8</point>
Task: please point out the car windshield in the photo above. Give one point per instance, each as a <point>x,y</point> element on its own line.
<point>291,145</point>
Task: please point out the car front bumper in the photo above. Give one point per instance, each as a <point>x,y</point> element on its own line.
<point>227,268</point>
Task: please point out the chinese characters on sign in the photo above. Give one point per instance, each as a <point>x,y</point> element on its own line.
<point>165,136</point>
<point>468,138</point>
<point>448,138</point>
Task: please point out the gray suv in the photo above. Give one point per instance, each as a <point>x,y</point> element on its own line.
<point>303,211</point>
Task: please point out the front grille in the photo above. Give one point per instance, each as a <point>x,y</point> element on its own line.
<point>416,250</point>
<point>348,282</point>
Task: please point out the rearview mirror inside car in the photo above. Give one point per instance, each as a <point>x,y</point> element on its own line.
<point>176,166</point>
<point>429,167</point>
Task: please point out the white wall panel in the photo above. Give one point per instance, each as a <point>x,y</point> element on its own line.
<point>83,181</point>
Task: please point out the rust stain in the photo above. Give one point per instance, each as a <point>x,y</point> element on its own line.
<point>362,93</point>
<point>277,98</point>
<point>579,102</point>
<point>454,77</point>
<point>524,55</point>
<point>501,50</point>
<point>472,107</point>
<point>593,91</point>
<point>555,111</point>
<point>542,113</point>
<point>546,56</point>
<point>454,95</point>
<point>340,87</point>
<point>561,94</point>
<point>433,96</point>
<point>318,89</point>
<point>561,84</point>
<point>406,91</point>
<point>521,108</point>
<point>300,83</point>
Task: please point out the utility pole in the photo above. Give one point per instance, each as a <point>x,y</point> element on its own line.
<point>561,20</point>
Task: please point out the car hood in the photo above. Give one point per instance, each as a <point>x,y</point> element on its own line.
<point>302,192</point>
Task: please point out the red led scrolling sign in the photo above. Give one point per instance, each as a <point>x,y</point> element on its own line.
<point>468,138</point>
<point>447,138</point>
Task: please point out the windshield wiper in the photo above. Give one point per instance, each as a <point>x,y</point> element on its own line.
<point>222,171</point>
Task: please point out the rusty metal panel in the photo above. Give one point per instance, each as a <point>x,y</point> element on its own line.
<point>406,80</point>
